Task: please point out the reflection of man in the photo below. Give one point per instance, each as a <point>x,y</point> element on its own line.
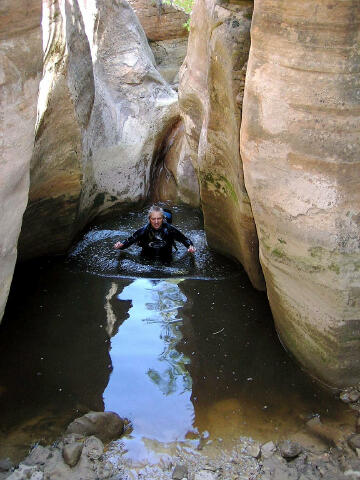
<point>157,237</point>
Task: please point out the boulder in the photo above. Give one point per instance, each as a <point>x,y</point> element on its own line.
<point>104,425</point>
<point>254,450</point>
<point>300,148</point>
<point>20,73</point>
<point>354,442</point>
<point>72,452</point>
<point>211,78</point>
<point>289,449</point>
<point>268,449</point>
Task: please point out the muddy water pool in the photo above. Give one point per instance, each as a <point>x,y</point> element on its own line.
<point>186,352</point>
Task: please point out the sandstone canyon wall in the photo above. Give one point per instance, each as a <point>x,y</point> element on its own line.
<point>301,153</point>
<point>103,110</point>
<point>164,27</point>
<point>210,96</point>
<point>20,73</point>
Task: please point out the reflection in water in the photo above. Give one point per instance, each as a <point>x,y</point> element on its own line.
<point>150,383</point>
<point>54,363</point>
<point>194,356</point>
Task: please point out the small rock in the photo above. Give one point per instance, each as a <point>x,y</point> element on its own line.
<point>354,395</point>
<point>254,450</point>
<point>93,448</point>
<point>344,396</point>
<point>38,456</point>
<point>180,471</point>
<point>107,470</point>
<point>37,476</point>
<point>205,475</point>
<point>6,465</point>
<point>358,425</point>
<point>71,453</point>
<point>289,449</point>
<point>354,441</point>
<point>268,449</point>
<point>105,425</point>
<point>23,472</point>
<point>350,396</point>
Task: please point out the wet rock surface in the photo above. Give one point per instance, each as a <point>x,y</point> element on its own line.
<point>105,425</point>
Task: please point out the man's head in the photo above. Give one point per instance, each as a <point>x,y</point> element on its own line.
<point>156,217</point>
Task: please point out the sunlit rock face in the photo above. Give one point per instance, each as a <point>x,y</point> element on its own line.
<point>103,108</point>
<point>133,108</point>
<point>210,96</point>
<point>301,151</point>
<point>164,27</point>
<point>20,73</point>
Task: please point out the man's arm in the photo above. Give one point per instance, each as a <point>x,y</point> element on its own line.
<point>179,237</point>
<point>135,237</point>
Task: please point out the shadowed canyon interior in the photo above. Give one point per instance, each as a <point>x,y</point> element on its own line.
<point>251,120</point>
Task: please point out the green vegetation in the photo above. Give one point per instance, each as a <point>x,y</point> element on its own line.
<point>186,5</point>
<point>220,183</point>
<point>334,268</point>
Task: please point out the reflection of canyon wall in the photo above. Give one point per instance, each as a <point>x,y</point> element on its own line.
<point>20,71</point>
<point>300,146</point>
<point>102,111</point>
<point>210,81</point>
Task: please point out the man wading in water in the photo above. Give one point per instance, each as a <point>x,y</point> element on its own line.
<point>157,237</point>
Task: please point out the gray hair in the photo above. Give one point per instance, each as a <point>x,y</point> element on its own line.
<point>155,209</point>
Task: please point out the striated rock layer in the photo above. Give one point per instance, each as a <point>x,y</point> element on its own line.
<point>301,153</point>
<point>210,96</point>
<point>20,73</point>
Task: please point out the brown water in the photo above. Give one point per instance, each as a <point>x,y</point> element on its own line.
<point>187,352</point>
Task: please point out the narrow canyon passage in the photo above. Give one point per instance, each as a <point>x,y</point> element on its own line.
<point>187,352</point>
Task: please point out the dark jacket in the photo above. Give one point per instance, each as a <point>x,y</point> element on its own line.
<point>157,242</point>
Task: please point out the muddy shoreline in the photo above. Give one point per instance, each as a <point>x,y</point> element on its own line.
<point>82,453</point>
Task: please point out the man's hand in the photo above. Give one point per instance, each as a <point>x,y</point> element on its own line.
<point>118,245</point>
<point>191,249</point>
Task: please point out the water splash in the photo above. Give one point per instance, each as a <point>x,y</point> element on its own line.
<point>94,253</point>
